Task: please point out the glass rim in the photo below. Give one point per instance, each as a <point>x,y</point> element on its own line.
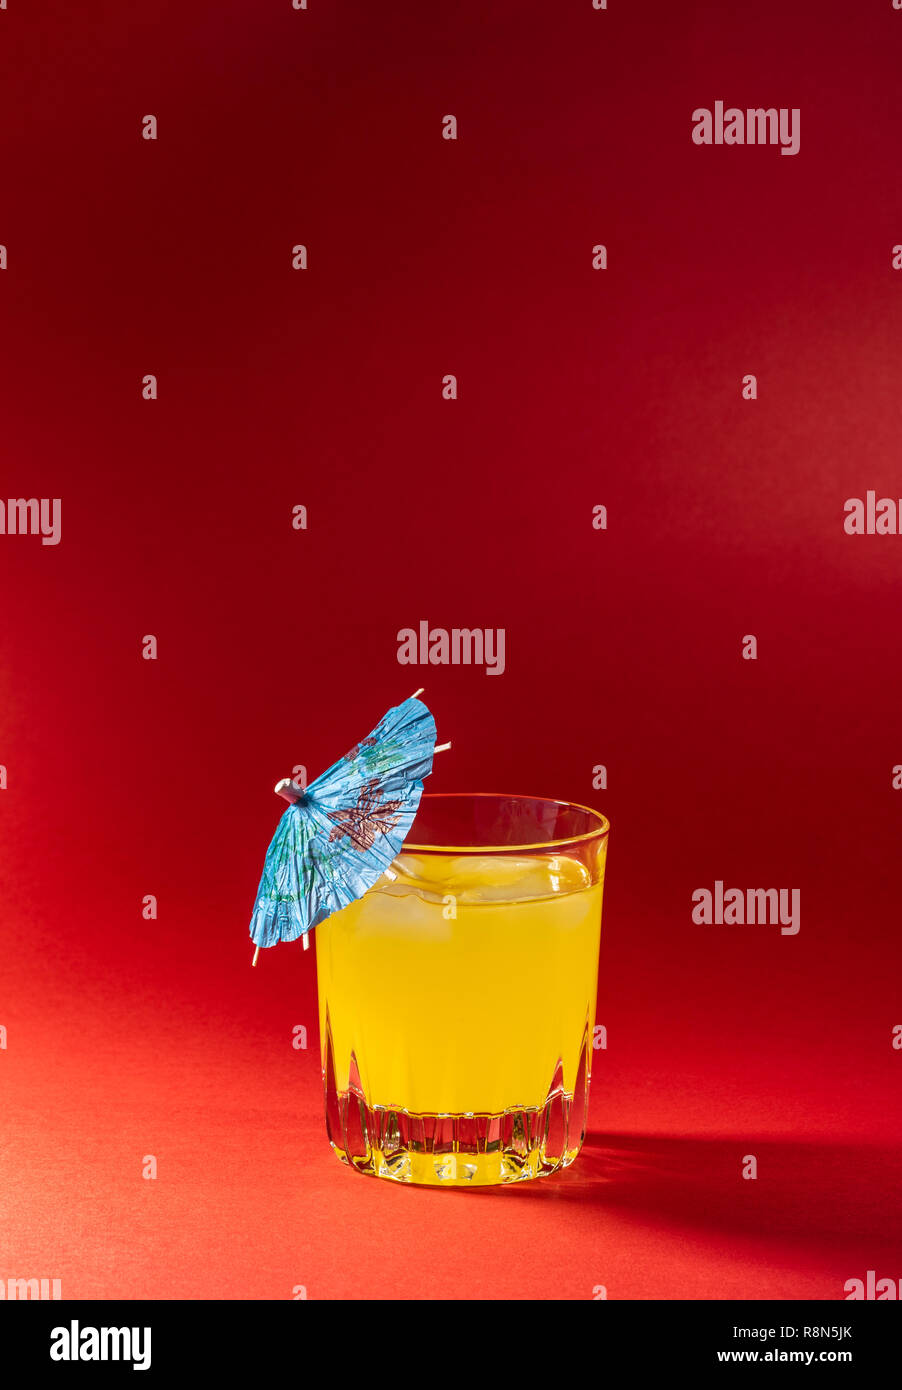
<point>602,830</point>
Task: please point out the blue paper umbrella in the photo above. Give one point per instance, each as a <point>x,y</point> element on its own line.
<point>342,833</point>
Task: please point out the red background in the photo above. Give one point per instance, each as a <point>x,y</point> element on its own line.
<point>577,387</point>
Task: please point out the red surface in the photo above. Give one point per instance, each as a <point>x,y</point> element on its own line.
<point>577,387</point>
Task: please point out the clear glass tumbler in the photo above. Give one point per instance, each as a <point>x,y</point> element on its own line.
<point>457,997</point>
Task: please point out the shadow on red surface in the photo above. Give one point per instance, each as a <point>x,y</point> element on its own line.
<point>837,1195</point>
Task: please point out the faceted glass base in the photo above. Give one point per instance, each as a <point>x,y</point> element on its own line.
<point>458,1150</point>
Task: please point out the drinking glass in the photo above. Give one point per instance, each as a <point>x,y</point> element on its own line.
<point>457,996</point>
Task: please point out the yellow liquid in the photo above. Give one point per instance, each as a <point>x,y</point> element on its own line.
<point>466,987</point>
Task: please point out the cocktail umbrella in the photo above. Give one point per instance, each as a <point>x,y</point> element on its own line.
<point>341,834</point>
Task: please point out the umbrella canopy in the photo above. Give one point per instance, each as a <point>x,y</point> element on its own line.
<point>343,832</point>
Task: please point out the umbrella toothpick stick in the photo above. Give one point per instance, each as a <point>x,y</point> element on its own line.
<point>288,789</point>
<point>440,747</point>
